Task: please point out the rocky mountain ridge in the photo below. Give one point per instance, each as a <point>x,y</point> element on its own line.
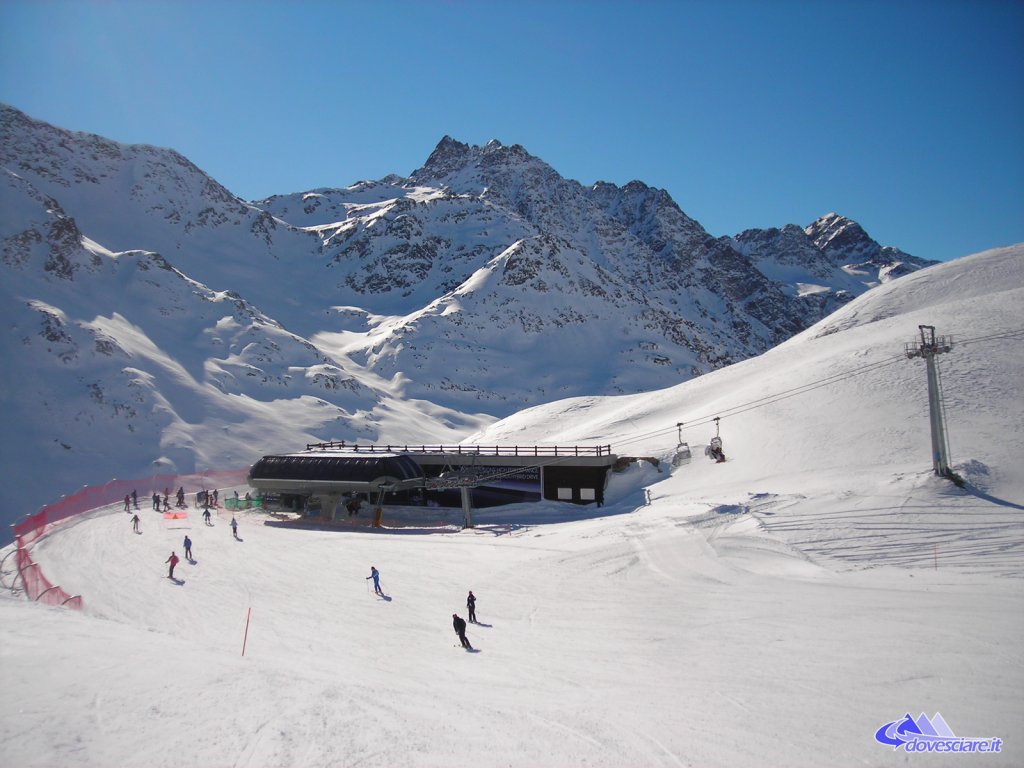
<point>482,283</point>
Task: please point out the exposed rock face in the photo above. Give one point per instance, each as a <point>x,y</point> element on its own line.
<point>481,283</point>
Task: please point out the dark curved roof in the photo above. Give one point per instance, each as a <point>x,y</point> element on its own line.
<point>328,468</point>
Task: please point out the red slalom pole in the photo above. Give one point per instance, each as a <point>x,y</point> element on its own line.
<point>246,638</point>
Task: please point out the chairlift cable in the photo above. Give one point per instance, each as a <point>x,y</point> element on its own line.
<point>1017,333</point>
<point>767,400</point>
<point>771,399</point>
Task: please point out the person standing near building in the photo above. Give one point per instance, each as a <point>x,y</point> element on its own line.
<point>460,630</point>
<point>471,607</point>
<point>173,560</point>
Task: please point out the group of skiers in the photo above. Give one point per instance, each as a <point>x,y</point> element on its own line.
<point>205,499</point>
<point>173,560</point>
<point>458,623</point>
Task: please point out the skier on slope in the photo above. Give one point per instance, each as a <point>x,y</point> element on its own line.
<point>234,527</point>
<point>460,630</point>
<point>188,548</point>
<point>375,575</point>
<point>471,607</point>
<point>135,523</point>
<point>173,560</point>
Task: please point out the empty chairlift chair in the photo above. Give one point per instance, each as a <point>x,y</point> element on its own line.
<point>682,454</point>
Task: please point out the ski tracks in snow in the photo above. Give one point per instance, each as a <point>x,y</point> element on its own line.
<point>922,528</point>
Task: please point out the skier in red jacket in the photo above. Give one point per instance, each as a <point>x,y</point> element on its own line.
<point>173,560</point>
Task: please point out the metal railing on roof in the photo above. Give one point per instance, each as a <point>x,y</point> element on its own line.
<point>467,450</point>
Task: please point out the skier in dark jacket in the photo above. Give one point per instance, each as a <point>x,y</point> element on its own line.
<point>135,523</point>
<point>460,630</point>
<point>188,548</point>
<point>471,607</point>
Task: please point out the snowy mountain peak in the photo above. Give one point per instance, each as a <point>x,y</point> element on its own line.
<point>847,245</point>
<point>836,233</point>
<point>448,156</point>
<point>469,169</point>
<point>482,283</point>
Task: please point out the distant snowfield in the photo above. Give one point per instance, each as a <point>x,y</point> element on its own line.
<point>777,609</point>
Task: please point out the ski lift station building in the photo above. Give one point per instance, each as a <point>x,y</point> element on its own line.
<point>436,475</point>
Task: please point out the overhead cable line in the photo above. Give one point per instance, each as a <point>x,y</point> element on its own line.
<point>1013,334</point>
<point>776,397</point>
<point>813,385</point>
<point>773,398</point>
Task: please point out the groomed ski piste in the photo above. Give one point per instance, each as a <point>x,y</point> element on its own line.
<point>774,610</point>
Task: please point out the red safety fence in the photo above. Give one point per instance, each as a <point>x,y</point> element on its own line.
<point>38,587</point>
<point>30,529</point>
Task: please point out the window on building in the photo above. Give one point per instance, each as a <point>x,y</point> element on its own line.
<point>565,494</point>
<point>587,494</point>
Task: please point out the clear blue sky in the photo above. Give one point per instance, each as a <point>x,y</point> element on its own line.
<point>907,116</point>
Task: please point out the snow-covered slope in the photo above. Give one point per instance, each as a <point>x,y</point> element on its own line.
<point>138,197</point>
<point>123,366</point>
<point>842,394</point>
<point>777,609</point>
